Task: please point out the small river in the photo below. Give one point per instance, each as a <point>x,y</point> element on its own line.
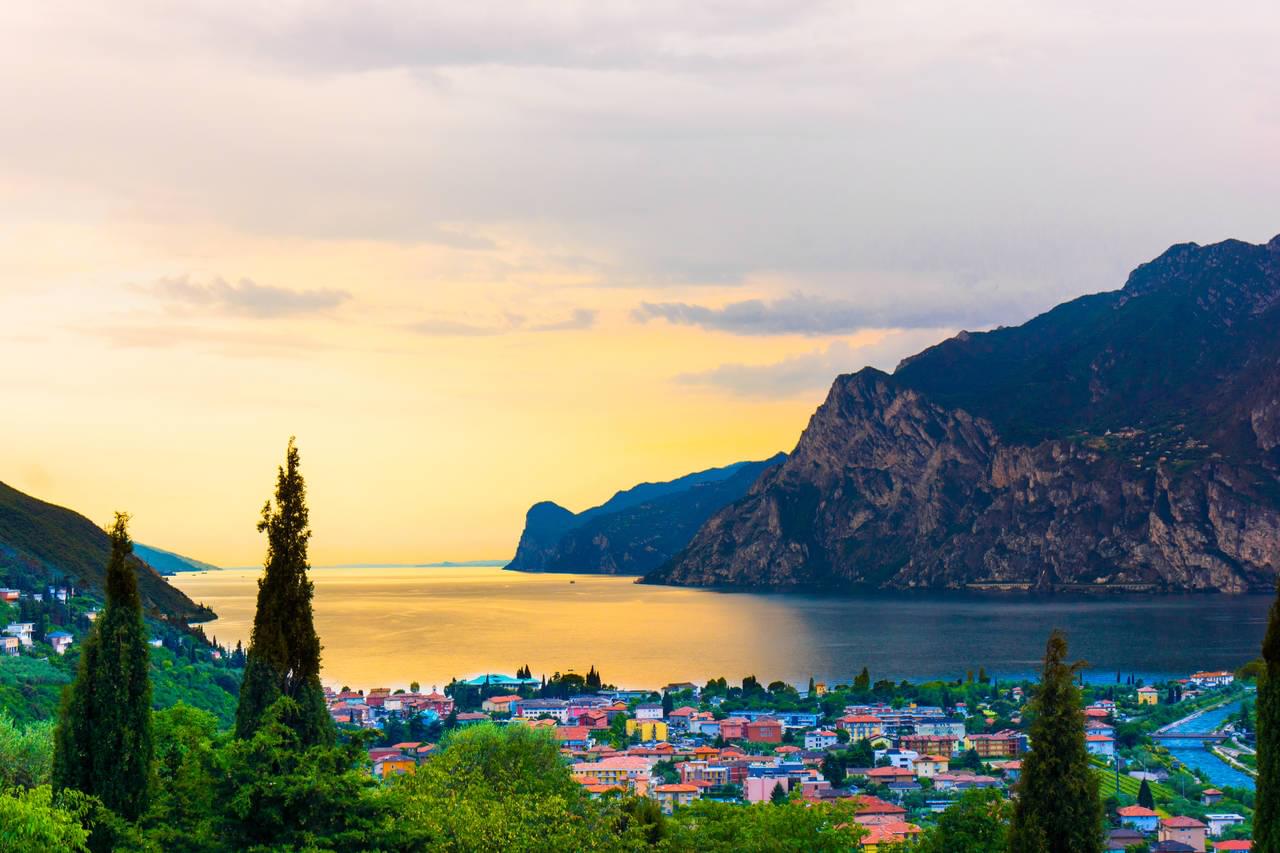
<point>1193,753</point>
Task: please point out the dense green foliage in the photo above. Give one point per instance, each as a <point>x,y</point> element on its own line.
<point>1266,817</point>
<point>1057,810</point>
<point>34,819</point>
<point>26,753</point>
<point>977,823</point>
<point>103,743</point>
<point>284,650</point>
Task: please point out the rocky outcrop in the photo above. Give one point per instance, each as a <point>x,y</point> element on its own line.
<point>636,530</point>
<point>1127,439</point>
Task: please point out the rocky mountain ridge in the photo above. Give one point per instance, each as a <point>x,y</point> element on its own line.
<point>1127,439</point>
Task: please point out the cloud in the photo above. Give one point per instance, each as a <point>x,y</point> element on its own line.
<point>580,318</point>
<point>246,297</point>
<point>232,342</point>
<point>800,314</point>
<point>801,375</point>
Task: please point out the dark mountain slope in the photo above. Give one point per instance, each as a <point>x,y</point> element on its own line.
<point>41,543</point>
<point>636,530</point>
<point>1125,438</point>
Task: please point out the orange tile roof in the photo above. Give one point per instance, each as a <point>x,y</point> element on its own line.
<point>1135,811</point>
<point>1181,822</point>
<point>676,788</point>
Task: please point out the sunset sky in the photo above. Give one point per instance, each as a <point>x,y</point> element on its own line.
<point>478,255</point>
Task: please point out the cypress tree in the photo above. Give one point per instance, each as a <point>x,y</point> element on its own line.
<point>1145,798</point>
<point>103,742</point>
<point>1058,810</point>
<point>1266,815</point>
<point>284,650</point>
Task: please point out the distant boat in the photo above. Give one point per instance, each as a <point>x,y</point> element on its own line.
<point>572,581</point>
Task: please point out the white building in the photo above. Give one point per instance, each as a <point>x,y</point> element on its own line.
<point>648,712</point>
<point>1100,745</point>
<point>821,739</point>
<point>61,641</point>
<point>21,630</point>
<point>1220,823</point>
<point>1212,679</point>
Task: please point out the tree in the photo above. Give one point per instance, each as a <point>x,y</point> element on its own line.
<point>103,744</point>
<point>779,795</point>
<point>1266,816</point>
<point>833,770</point>
<point>668,704</point>
<point>284,650</point>
<point>1058,809</point>
<point>1145,798</point>
<point>812,688</point>
<point>414,686</point>
<point>863,682</point>
<point>26,753</point>
<point>976,823</point>
<point>37,820</point>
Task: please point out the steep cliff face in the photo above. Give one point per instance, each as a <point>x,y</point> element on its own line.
<point>636,530</point>
<point>1129,438</point>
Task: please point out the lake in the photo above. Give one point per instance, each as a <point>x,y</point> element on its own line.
<point>385,627</point>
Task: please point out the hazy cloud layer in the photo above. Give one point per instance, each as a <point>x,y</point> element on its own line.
<point>801,375</point>
<point>801,314</point>
<point>247,297</point>
<point>578,319</point>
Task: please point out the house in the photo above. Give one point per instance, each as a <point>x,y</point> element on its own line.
<point>703,771</point>
<point>733,728</point>
<point>531,709</point>
<point>860,726</point>
<point>1098,727</point>
<point>1005,744</point>
<point>61,641</point>
<point>499,704</point>
<point>1212,679</point>
<point>624,771</point>
<point>898,757</point>
<point>928,766</point>
<point>929,744</point>
<point>649,712</point>
<point>890,835</point>
<point>764,730</point>
<point>593,719</point>
<point>470,718</point>
<point>22,630</point>
<point>672,796</point>
<point>7,594</point>
<point>680,718</point>
<point>649,730</point>
<point>821,739</point>
<point>1220,823</point>
<point>1012,771</point>
<point>9,645</point>
<point>1209,796</point>
<point>391,762</point>
<point>1186,830</point>
<point>1148,695</point>
<point>1232,846</point>
<point>1170,846</point>
<point>1120,840</point>
<point>1101,745</point>
<point>887,775</point>
<point>1138,818</point>
<point>573,737</point>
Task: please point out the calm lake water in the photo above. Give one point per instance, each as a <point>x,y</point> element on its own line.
<point>385,627</point>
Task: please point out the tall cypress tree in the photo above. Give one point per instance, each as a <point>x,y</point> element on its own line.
<point>103,743</point>
<point>1058,810</point>
<point>284,650</point>
<point>1145,797</point>
<point>1266,815</point>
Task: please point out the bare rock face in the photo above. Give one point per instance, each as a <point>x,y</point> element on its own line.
<point>1128,439</point>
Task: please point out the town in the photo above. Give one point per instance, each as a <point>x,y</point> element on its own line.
<point>903,753</point>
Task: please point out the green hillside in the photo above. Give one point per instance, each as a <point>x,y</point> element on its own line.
<point>41,543</point>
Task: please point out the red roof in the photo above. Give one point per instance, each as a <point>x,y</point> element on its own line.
<point>1181,822</point>
<point>1135,811</point>
<point>572,732</point>
<point>676,788</point>
<point>869,805</point>
<point>1233,845</point>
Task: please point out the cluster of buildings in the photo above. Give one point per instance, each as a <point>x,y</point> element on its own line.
<point>680,755</point>
<point>21,635</point>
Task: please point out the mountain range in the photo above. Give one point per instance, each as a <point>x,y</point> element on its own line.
<point>41,543</point>
<point>636,530</point>
<point>1124,439</point>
